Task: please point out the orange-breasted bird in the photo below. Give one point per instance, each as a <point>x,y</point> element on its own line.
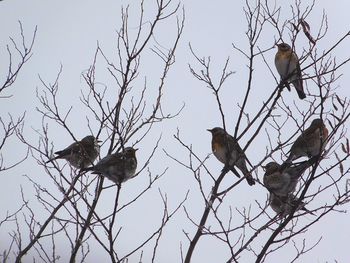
<point>80,154</point>
<point>227,150</point>
<point>310,143</point>
<point>288,67</point>
<point>118,167</point>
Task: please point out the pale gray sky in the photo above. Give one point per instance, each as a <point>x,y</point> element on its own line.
<point>67,35</point>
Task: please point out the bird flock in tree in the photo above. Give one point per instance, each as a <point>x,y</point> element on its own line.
<point>118,167</point>
<point>279,180</point>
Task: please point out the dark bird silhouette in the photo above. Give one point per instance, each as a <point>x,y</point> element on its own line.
<point>118,167</point>
<point>310,143</point>
<point>80,154</point>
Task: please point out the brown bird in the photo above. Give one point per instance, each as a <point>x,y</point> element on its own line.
<point>118,167</point>
<point>310,143</point>
<point>283,181</point>
<point>284,205</point>
<point>227,150</point>
<point>80,154</point>
<point>288,67</point>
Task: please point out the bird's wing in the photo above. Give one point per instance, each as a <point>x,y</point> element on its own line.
<point>71,149</point>
<point>297,68</point>
<point>295,171</point>
<point>310,131</point>
<point>304,137</point>
<point>106,162</point>
<point>233,144</point>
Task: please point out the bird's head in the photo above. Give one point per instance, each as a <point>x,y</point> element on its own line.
<point>90,139</point>
<point>283,47</point>
<point>216,131</point>
<point>317,123</point>
<point>130,151</point>
<point>271,168</point>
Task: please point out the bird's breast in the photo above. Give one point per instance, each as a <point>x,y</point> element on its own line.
<point>219,152</point>
<point>284,64</point>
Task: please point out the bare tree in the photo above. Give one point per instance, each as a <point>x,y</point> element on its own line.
<point>254,232</point>
<point>18,54</point>
<point>123,106</point>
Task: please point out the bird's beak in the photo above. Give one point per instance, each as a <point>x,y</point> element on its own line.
<point>136,149</point>
<point>99,141</point>
<point>209,130</point>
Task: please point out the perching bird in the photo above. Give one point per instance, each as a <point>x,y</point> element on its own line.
<point>282,181</point>
<point>310,143</point>
<point>80,154</point>
<point>118,167</point>
<point>284,205</point>
<point>224,147</point>
<point>288,67</point>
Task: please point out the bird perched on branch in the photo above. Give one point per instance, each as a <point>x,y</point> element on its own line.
<point>284,205</point>
<point>227,150</point>
<point>118,167</point>
<point>282,181</point>
<point>310,143</point>
<point>288,67</point>
<point>80,154</point>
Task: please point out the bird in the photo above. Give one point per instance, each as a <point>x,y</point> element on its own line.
<point>227,150</point>
<point>310,143</point>
<point>118,167</point>
<point>288,67</point>
<point>80,154</point>
<point>284,205</point>
<point>282,181</point>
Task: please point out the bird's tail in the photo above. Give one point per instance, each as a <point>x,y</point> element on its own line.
<point>52,159</point>
<point>242,166</point>
<point>86,169</point>
<point>232,169</point>
<point>306,210</point>
<point>301,94</point>
<point>298,84</point>
<point>248,176</point>
<point>287,86</point>
<point>59,155</point>
<point>300,206</point>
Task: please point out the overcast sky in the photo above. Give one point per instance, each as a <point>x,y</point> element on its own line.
<point>67,35</point>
